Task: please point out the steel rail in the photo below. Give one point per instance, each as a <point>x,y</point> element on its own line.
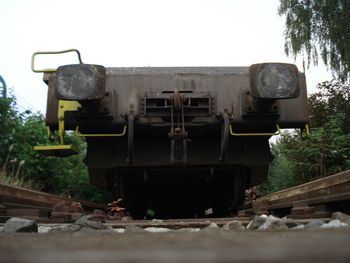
<point>325,191</point>
<point>21,196</point>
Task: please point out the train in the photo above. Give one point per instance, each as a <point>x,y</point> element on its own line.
<point>177,141</point>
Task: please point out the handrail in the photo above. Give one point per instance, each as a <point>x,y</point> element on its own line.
<point>51,53</point>
<point>277,132</point>
<point>77,133</point>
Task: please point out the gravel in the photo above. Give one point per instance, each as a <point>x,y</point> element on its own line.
<point>257,222</point>
<point>273,222</point>
<point>85,221</point>
<point>334,224</point>
<point>234,226</point>
<point>314,224</point>
<point>263,222</point>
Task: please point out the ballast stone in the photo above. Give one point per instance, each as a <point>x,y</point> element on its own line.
<point>44,229</point>
<point>212,228</point>
<point>133,229</point>
<point>298,227</point>
<point>20,225</point>
<point>274,223</point>
<point>87,222</point>
<point>234,226</point>
<point>336,223</point>
<point>257,222</point>
<point>314,224</point>
<point>344,218</point>
<point>157,229</point>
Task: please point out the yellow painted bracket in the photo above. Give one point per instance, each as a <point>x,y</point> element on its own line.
<point>277,132</point>
<point>56,150</point>
<point>61,150</point>
<point>63,106</point>
<point>101,134</point>
<point>52,53</point>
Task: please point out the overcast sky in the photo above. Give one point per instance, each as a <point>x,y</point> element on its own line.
<point>140,33</point>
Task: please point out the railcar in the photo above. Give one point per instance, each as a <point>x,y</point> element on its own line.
<point>178,140</point>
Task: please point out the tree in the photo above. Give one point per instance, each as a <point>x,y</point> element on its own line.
<point>331,98</point>
<point>319,26</point>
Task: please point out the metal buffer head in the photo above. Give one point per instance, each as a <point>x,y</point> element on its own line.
<point>81,82</point>
<point>274,81</point>
<point>270,82</point>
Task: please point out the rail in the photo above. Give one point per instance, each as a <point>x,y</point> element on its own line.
<point>17,201</point>
<point>319,196</point>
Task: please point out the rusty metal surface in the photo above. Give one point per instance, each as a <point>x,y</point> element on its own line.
<point>331,189</point>
<point>226,83</point>
<point>216,246</point>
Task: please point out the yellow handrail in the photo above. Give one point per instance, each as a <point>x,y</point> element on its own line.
<point>101,135</point>
<point>277,132</point>
<point>51,53</point>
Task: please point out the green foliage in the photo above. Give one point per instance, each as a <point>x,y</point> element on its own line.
<point>319,26</point>
<point>331,98</point>
<point>324,152</point>
<point>281,171</point>
<point>21,165</point>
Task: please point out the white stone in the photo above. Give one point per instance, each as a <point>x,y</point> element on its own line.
<point>344,218</point>
<point>298,227</point>
<point>44,229</point>
<point>189,229</point>
<point>257,222</point>
<point>119,230</point>
<point>314,224</point>
<point>273,222</point>
<point>234,226</point>
<point>157,221</point>
<point>15,225</point>
<point>334,224</point>
<point>157,229</point>
<point>213,225</point>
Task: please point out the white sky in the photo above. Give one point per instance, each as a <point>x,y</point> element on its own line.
<point>140,33</point>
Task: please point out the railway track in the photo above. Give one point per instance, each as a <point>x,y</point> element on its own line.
<point>186,240</point>
<point>316,199</point>
<point>43,207</point>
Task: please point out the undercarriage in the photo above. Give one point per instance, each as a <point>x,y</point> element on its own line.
<point>181,193</point>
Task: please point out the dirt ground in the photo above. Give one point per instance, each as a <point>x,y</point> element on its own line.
<point>296,246</point>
